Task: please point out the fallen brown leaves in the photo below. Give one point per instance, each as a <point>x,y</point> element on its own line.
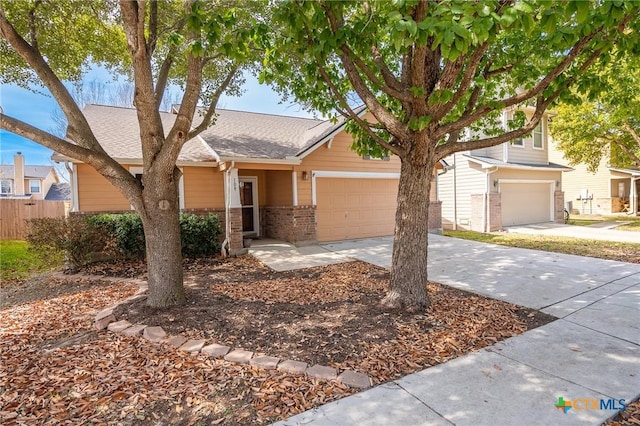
<point>117,380</point>
<point>56,369</point>
<point>629,417</point>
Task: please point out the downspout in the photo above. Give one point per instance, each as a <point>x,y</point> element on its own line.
<point>633,195</point>
<point>445,168</point>
<point>74,187</point>
<point>455,194</point>
<point>224,249</point>
<point>485,202</point>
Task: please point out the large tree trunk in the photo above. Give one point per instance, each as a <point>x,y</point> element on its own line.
<point>408,285</point>
<point>161,223</point>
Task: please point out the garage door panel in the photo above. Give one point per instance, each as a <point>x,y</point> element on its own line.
<point>355,208</point>
<point>525,203</point>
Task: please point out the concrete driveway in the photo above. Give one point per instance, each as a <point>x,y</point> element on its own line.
<point>553,282</point>
<point>592,352</point>
<point>594,232</point>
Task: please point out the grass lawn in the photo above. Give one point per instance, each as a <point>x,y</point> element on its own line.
<point>18,263</point>
<point>625,252</point>
<point>586,220</point>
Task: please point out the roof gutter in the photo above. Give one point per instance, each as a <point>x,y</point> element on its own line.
<point>138,161</point>
<point>294,161</point>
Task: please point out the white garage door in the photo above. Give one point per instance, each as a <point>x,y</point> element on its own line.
<point>526,203</point>
<point>350,208</point>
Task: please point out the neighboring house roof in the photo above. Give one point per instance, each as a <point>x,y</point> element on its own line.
<point>118,132</point>
<point>632,172</point>
<point>487,162</point>
<point>59,192</point>
<point>7,171</point>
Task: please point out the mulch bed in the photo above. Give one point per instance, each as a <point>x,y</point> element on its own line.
<point>57,369</point>
<point>629,417</point>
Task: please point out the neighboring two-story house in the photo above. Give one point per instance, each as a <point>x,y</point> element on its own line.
<point>18,180</point>
<point>510,184</point>
<point>607,190</point>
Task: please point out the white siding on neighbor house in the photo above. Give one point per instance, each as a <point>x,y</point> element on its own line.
<point>528,154</point>
<point>470,180</point>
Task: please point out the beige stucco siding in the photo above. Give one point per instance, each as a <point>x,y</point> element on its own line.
<point>279,189</point>
<point>339,157</point>
<point>203,188</point>
<point>96,194</point>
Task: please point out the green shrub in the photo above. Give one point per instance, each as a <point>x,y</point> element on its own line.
<point>116,235</point>
<point>199,235</point>
<point>75,236</point>
<point>125,233</point>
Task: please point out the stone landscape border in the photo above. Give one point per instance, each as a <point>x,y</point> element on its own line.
<point>106,320</point>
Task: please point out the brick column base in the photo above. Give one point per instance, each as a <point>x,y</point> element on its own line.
<point>236,246</point>
<point>435,217</point>
<point>493,214</point>
<point>293,224</point>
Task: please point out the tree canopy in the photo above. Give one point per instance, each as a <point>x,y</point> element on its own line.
<point>603,124</point>
<point>437,77</point>
<point>200,46</point>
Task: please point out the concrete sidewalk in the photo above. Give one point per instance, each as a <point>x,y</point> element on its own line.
<point>282,256</point>
<point>593,351</point>
<point>583,232</point>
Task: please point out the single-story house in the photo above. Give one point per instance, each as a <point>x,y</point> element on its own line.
<point>18,180</point>
<point>287,178</point>
<point>510,184</point>
<point>607,190</point>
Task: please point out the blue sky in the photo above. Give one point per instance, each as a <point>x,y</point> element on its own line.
<point>36,108</point>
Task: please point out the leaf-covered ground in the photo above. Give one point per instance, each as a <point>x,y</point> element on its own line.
<point>629,417</point>
<point>56,368</point>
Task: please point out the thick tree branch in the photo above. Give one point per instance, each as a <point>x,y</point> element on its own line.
<point>151,131</point>
<point>163,77</point>
<point>348,112</point>
<point>626,126</point>
<point>392,124</point>
<point>182,126</point>
<point>472,116</point>
<point>78,128</point>
<point>33,34</point>
<point>449,148</point>
<point>387,75</point>
<point>104,164</point>
<point>153,28</point>
<point>465,83</point>
<point>208,116</point>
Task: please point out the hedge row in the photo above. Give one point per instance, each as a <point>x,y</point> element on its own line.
<point>117,236</point>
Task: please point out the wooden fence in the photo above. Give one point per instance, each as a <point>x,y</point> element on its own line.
<point>14,213</point>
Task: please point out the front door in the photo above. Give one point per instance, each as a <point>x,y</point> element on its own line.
<point>249,202</point>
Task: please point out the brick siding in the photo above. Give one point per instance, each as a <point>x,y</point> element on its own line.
<point>294,224</point>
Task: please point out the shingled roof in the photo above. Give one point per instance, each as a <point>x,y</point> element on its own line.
<point>234,134</point>
<point>7,171</point>
<point>118,132</point>
<point>255,135</point>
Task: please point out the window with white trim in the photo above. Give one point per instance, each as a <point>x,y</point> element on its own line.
<point>34,186</point>
<point>518,142</point>
<point>6,186</point>
<point>538,134</point>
